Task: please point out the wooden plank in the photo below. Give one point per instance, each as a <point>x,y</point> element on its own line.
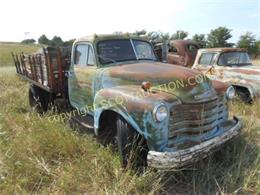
<point>19,63</point>
<point>25,72</point>
<point>50,69</point>
<point>60,69</point>
<point>47,66</point>
<point>15,63</point>
<point>41,68</point>
<point>35,68</point>
<point>32,76</point>
<point>46,88</point>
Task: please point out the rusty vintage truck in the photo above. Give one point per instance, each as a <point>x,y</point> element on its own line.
<point>178,52</point>
<point>120,90</point>
<point>232,66</point>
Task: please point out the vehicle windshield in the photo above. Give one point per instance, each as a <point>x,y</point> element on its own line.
<point>111,51</point>
<point>234,58</point>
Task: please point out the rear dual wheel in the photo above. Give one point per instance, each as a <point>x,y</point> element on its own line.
<point>39,99</point>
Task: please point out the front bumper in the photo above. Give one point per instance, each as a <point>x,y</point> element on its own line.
<point>164,160</point>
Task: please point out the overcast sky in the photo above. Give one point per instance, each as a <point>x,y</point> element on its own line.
<point>22,19</point>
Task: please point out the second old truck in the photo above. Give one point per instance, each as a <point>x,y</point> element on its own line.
<point>232,66</point>
<point>123,92</point>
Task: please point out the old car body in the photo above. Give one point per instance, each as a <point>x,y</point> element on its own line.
<point>179,52</point>
<point>180,113</point>
<point>232,66</point>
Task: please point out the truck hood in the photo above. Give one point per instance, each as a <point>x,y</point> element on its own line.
<point>250,72</point>
<point>177,80</point>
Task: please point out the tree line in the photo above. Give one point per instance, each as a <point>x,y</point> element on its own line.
<point>56,41</point>
<point>218,37</point>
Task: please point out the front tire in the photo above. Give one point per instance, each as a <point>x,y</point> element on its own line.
<point>131,145</point>
<point>244,96</point>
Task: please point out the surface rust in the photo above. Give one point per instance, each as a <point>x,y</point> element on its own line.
<point>182,55</point>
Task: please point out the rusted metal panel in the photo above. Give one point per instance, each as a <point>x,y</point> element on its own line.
<point>186,49</point>
<point>180,52</point>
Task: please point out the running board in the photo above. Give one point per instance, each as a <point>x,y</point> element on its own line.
<point>83,122</point>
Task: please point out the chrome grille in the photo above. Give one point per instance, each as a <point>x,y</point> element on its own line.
<point>189,124</point>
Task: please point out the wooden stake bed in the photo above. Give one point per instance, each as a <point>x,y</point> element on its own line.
<point>46,69</point>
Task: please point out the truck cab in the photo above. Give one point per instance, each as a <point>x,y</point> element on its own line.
<point>176,114</point>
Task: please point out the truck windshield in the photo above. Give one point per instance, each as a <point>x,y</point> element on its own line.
<point>234,58</point>
<point>111,51</point>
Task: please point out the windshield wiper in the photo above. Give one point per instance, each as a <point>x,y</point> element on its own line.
<point>146,59</point>
<point>239,64</point>
<point>106,58</point>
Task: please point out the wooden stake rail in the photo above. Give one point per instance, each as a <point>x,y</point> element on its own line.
<point>46,69</point>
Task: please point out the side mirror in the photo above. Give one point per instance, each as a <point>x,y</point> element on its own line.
<point>165,48</point>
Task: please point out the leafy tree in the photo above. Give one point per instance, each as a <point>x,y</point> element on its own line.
<point>249,42</point>
<point>56,42</point>
<point>218,37</point>
<point>118,33</point>
<point>180,34</point>
<point>157,37</point>
<point>258,48</point>
<point>43,40</point>
<point>140,32</point>
<point>69,43</point>
<point>28,41</point>
<point>200,39</point>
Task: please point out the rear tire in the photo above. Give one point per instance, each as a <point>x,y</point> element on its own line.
<point>39,99</point>
<point>131,145</point>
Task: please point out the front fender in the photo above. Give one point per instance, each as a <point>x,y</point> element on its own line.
<point>247,86</point>
<point>135,106</point>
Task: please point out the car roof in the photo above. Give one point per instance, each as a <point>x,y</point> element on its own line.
<point>98,37</point>
<point>223,49</point>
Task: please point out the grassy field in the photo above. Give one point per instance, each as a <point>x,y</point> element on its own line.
<point>7,48</point>
<point>40,156</point>
<point>256,61</point>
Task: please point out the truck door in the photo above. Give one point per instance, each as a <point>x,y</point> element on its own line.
<point>82,77</point>
<point>206,65</point>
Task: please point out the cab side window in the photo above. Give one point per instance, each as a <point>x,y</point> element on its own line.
<point>207,58</point>
<point>172,49</point>
<point>81,55</point>
<point>192,47</point>
<point>84,55</point>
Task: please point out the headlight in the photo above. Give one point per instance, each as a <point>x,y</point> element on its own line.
<point>160,112</point>
<point>230,93</point>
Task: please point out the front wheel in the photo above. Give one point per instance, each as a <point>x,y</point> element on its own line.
<point>131,145</point>
<point>244,96</point>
